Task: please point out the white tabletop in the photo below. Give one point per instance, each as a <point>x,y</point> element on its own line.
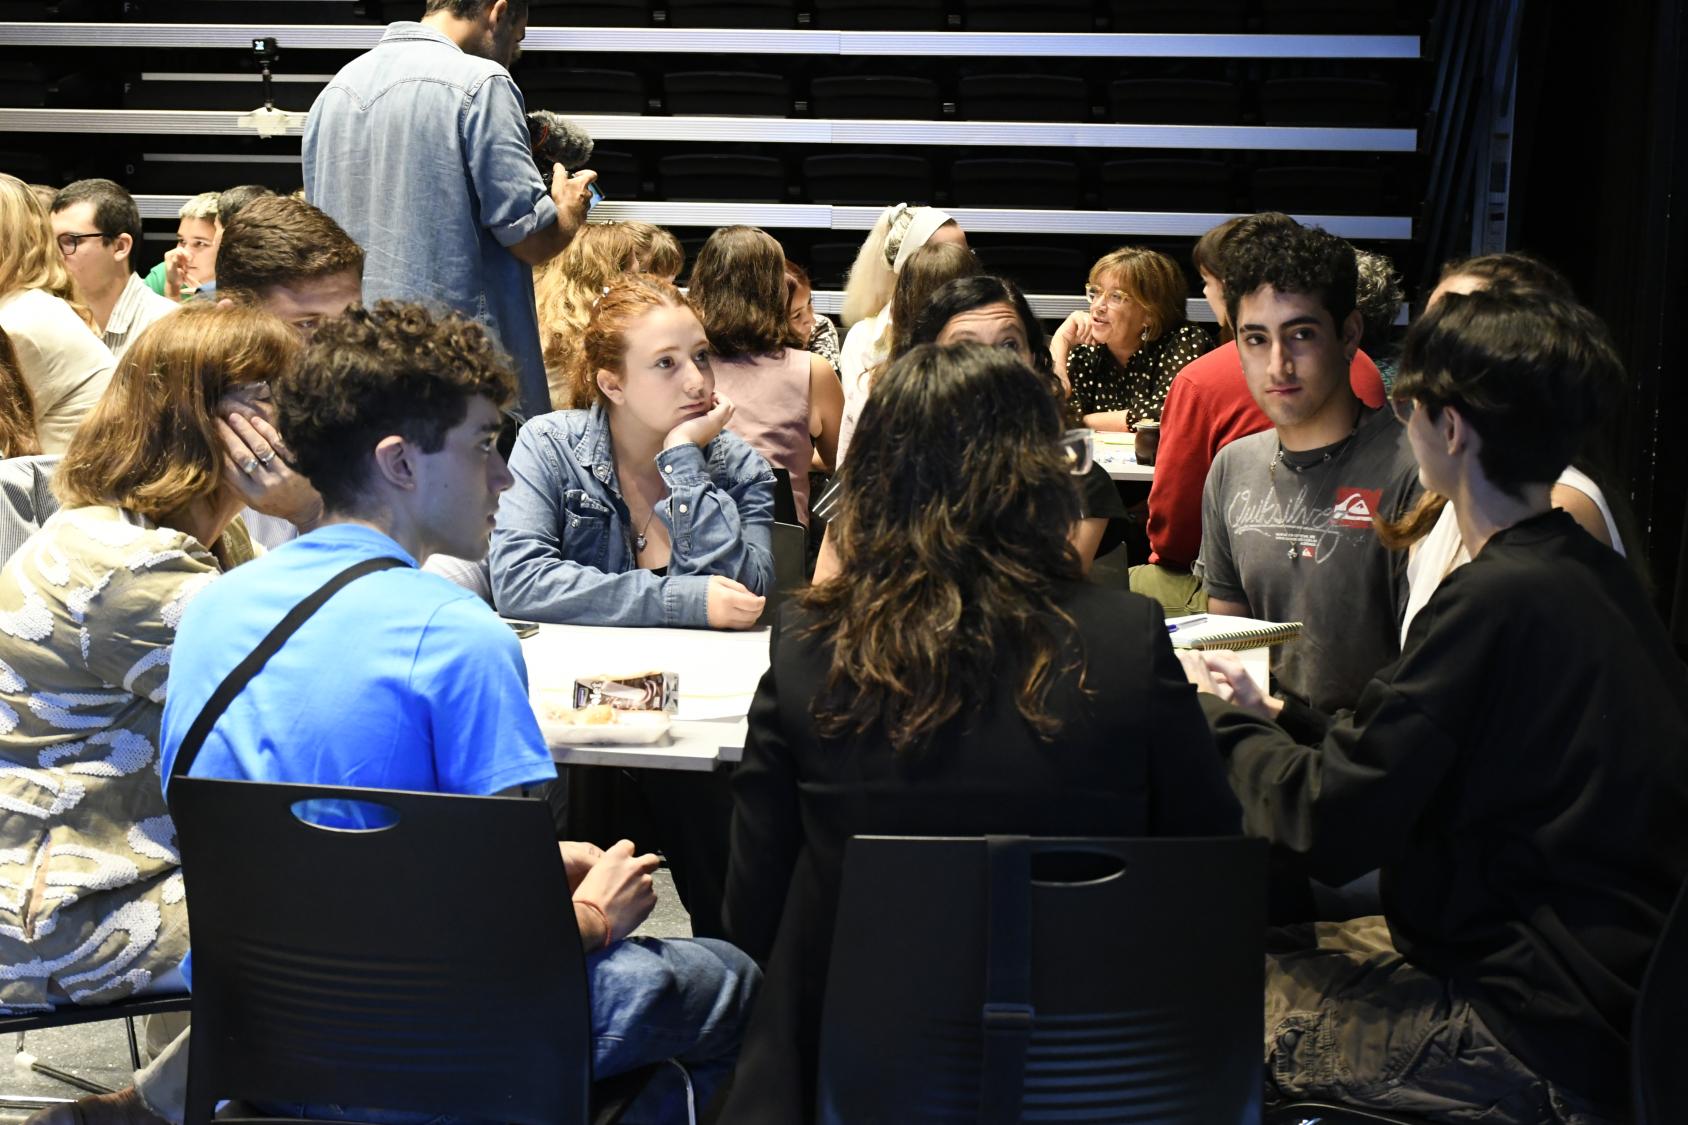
<point>1117,453</point>
<point>718,674</point>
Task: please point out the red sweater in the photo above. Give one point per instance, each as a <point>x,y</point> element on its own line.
<point>1207,408</point>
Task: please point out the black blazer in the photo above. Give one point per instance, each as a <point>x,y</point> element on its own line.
<point>1135,758</point>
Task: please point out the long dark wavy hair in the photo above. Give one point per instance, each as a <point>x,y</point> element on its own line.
<point>965,294</point>
<point>952,528</point>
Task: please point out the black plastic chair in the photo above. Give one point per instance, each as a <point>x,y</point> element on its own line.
<point>1178,15</point>
<point>1050,185</point>
<point>1320,190</point>
<point>343,967</point>
<point>727,177</point>
<point>1326,101</point>
<point>730,93</point>
<point>829,265</point>
<point>732,13</point>
<point>1023,97</point>
<point>576,90</point>
<point>867,180</point>
<point>791,557</point>
<point>904,96</point>
<point>1017,15</point>
<point>587,13</point>
<point>1002,979</point>
<point>1039,269</point>
<point>1174,101</point>
<point>1166,185</point>
<point>620,175</point>
<point>880,15</point>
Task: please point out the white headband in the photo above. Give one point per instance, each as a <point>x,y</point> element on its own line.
<point>908,231</point>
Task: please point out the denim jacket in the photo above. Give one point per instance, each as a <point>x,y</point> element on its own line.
<point>562,549</point>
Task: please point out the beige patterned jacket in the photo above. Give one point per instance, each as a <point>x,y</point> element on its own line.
<point>91,901</point>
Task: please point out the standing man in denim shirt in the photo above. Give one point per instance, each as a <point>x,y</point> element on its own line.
<point>419,148</point>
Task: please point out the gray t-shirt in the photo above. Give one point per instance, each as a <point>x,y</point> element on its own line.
<point>1296,543</point>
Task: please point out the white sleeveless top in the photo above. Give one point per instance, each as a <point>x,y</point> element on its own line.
<point>1442,552</point>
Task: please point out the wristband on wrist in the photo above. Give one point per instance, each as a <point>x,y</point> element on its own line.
<point>609,934</point>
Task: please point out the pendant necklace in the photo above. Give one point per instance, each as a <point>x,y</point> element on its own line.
<point>639,539</point>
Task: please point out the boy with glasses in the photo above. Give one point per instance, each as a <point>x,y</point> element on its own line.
<point>98,228</point>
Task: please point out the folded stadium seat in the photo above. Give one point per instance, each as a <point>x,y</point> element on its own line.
<point>879,15</point>
<point>588,13</point>
<point>619,175</point>
<point>1017,15</point>
<point>1038,269</point>
<point>829,264</point>
<point>1166,185</point>
<point>1330,17</point>
<point>1051,185</point>
<point>907,97</point>
<point>272,13</point>
<point>867,179</point>
<point>23,85</point>
<point>27,85</point>
<point>1174,101</point>
<point>732,13</point>
<point>721,177</point>
<point>189,173</point>
<point>1325,101</point>
<point>1320,191</point>
<point>705,93</point>
<point>33,167</point>
<point>1023,97</point>
<point>573,90</point>
<point>1177,15</point>
<point>207,91</point>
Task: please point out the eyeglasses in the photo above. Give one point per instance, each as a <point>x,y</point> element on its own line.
<point>1404,406</point>
<point>68,243</point>
<point>1117,298</point>
<point>1078,450</point>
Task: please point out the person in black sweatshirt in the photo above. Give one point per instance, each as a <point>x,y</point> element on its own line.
<point>1520,774</point>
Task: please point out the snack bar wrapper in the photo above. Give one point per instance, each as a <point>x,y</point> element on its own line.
<point>644,691</point>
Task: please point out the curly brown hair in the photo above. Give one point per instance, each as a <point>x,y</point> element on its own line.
<point>738,290</point>
<point>278,240</point>
<point>953,527</point>
<point>150,444</point>
<point>372,373</point>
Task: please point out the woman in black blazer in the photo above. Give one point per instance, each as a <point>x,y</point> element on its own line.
<point>960,679</point>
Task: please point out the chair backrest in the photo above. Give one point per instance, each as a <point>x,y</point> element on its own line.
<point>26,498</point>
<point>381,968</point>
<point>1008,979</point>
<point>791,559</point>
<point>1659,1038</point>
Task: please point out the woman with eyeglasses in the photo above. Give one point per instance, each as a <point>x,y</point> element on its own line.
<point>1121,354</point>
<point>64,363</point>
<point>966,680</point>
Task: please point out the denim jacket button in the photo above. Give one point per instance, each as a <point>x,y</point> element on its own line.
<point>682,508</point>
<point>668,468</point>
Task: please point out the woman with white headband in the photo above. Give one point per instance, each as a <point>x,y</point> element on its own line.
<point>898,233</point>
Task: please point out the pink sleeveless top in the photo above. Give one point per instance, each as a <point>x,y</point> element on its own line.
<point>770,395</point>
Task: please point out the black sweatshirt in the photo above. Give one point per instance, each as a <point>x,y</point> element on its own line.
<point>1520,775</point>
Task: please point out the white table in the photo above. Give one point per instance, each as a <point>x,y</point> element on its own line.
<point>1117,454</point>
<point>718,674</point>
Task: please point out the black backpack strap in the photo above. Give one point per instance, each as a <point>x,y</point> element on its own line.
<point>235,682</point>
<point>1007,1016</point>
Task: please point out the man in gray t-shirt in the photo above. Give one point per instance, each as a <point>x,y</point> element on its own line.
<point>1289,535</point>
<point>1287,530</point>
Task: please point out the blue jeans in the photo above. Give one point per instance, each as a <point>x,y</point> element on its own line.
<point>652,999</point>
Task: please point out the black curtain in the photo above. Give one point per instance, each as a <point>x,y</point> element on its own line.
<point>1599,178</point>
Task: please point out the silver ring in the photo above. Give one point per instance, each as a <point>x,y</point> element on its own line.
<point>267,458</point>
<point>249,464</point>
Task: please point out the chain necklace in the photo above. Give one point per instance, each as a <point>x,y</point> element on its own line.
<point>1330,451</point>
<point>639,539</point>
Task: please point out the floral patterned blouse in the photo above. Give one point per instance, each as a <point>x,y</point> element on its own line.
<point>1139,388</point>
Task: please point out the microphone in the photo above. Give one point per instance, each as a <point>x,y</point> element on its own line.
<point>557,142</point>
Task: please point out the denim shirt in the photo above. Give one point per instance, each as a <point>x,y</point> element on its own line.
<point>421,153</point>
<point>562,549</point>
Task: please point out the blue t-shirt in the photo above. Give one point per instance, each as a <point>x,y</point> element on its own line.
<point>401,680</point>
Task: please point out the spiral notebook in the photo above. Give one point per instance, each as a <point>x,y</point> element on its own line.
<point>1216,630</point>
